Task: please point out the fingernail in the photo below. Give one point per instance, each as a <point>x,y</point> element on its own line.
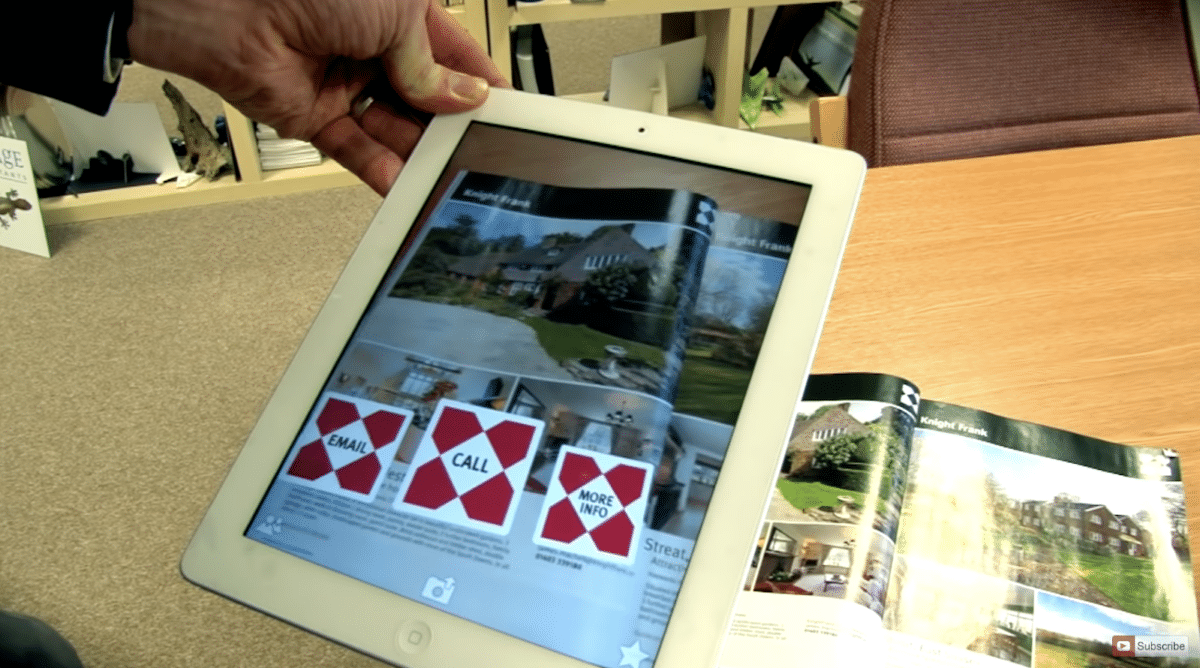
<point>468,88</point>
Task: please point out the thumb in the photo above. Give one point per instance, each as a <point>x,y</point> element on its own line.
<point>426,84</point>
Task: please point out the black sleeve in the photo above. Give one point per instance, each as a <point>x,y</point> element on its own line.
<point>57,49</point>
<point>26,642</point>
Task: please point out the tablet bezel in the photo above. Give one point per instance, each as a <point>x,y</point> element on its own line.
<point>357,614</point>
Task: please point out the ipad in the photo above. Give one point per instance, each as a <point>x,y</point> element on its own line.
<point>537,420</point>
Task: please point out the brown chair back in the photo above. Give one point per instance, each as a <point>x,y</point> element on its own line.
<point>944,79</point>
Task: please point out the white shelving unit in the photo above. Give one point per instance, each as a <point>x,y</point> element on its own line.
<point>725,22</point>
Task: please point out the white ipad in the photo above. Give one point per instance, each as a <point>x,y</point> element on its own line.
<point>537,419</point>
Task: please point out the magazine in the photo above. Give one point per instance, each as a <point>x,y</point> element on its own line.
<point>907,532</point>
<point>536,405</point>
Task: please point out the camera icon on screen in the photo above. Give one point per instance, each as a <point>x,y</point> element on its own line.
<point>437,589</point>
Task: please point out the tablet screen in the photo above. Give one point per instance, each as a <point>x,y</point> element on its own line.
<point>526,427</point>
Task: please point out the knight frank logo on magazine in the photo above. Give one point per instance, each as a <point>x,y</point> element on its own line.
<point>1150,646</point>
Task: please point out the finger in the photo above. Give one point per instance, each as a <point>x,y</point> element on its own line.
<point>346,142</point>
<point>398,131</point>
<point>454,47</point>
<point>423,82</point>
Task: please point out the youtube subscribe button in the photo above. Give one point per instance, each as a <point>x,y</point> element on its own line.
<point>1174,646</point>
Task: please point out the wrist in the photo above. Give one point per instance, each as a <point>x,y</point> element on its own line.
<point>189,38</point>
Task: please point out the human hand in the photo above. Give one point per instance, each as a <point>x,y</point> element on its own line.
<point>300,66</point>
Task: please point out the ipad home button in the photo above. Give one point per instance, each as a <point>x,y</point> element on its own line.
<point>413,637</point>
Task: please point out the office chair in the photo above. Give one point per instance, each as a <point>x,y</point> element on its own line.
<point>944,79</point>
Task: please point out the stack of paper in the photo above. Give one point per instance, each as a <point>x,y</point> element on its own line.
<point>277,153</point>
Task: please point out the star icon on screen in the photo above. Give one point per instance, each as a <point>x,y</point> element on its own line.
<point>633,655</point>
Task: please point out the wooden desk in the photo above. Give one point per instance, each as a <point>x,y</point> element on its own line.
<point>1059,287</point>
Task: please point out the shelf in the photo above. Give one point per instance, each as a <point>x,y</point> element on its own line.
<point>793,124</point>
<point>725,23</point>
<point>554,11</point>
<point>160,197</point>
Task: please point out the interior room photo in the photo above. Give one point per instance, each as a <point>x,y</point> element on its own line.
<point>1024,241</point>
<point>808,559</point>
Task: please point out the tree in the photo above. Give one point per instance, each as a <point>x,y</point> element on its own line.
<point>995,497</point>
<point>834,452</point>
<point>508,243</point>
<point>818,413</point>
<point>660,283</point>
<point>608,284</point>
<point>760,315</point>
<point>722,295</point>
<point>561,239</point>
<point>468,238</point>
<point>465,224</point>
<point>425,275</point>
<point>492,281</point>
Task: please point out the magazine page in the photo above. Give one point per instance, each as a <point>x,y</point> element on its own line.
<point>817,586</point>
<point>605,278</point>
<point>518,374</point>
<point>1030,546</point>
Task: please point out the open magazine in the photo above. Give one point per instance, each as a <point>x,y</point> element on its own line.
<point>907,532</point>
<point>535,407</point>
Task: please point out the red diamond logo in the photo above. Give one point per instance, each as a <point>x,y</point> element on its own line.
<point>626,482</point>
<point>469,467</point>
<point>311,462</point>
<point>562,524</point>
<point>431,486</point>
<point>339,440</point>
<point>489,502</point>
<point>382,427</point>
<point>359,476</point>
<point>454,428</point>
<point>615,535</point>
<point>335,415</point>
<point>510,441</point>
<point>594,505</point>
<point>577,471</point>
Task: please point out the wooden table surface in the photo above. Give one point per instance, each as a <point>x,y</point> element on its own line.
<point>1058,287</point>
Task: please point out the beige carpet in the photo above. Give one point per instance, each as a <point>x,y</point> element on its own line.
<point>132,365</point>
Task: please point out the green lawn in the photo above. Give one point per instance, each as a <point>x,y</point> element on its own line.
<point>1050,655</point>
<point>1055,656</point>
<point>1127,580</point>
<point>813,494</point>
<point>707,389</point>
<point>711,389</point>
<point>563,342</point>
